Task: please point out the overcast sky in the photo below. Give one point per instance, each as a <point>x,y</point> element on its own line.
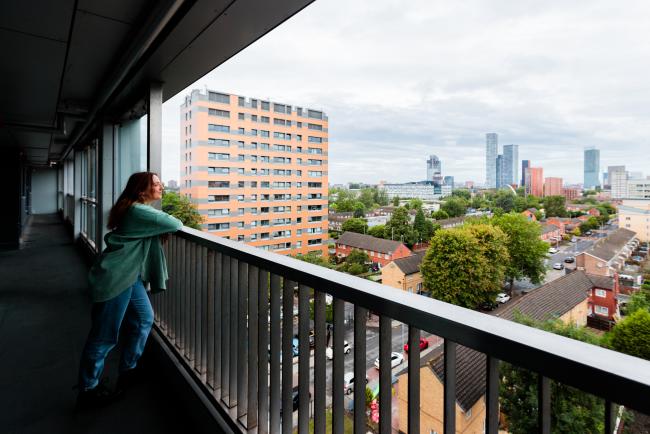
<point>402,80</point>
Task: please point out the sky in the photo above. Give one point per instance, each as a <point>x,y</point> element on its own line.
<point>403,80</point>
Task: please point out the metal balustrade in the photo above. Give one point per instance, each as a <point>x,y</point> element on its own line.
<point>224,315</point>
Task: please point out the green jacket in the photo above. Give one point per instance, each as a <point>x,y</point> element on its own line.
<point>132,250</point>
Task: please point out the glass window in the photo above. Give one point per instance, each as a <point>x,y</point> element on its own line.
<point>219,97</point>
<point>219,128</point>
<point>241,116</point>
<point>220,113</point>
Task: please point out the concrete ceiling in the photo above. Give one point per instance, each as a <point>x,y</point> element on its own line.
<point>70,62</point>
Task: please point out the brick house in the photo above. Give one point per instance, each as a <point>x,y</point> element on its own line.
<point>379,250</point>
<point>603,300</point>
<point>336,219</point>
<point>607,256</point>
<point>530,214</point>
<point>550,232</point>
<point>404,273</point>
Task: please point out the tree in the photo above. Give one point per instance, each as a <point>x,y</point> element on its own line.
<point>572,411</point>
<point>424,227</point>
<point>589,225</point>
<point>367,197</point>
<point>359,210</point>
<point>181,208</point>
<point>396,201</point>
<point>526,250</point>
<point>477,202</point>
<point>520,204</point>
<point>398,225</point>
<point>462,193</point>
<point>378,231</point>
<point>505,200</point>
<point>357,225</point>
<point>555,206</point>
<point>314,258</point>
<point>355,262</point>
<point>465,266</point>
<point>640,300</point>
<point>454,206</point>
<point>415,204</point>
<point>439,215</point>
<point>632,335</point>
<point>380,196</point>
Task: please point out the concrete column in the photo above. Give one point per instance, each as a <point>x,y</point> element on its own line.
<point>78,155</point>
<point>154,131</point>
<point>105,180</point>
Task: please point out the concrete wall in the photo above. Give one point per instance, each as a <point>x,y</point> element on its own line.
<point>43,191</point>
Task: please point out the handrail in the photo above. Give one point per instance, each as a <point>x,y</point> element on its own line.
<point>614,376</point>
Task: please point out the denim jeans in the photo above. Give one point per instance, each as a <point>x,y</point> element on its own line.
<point>130,310</point>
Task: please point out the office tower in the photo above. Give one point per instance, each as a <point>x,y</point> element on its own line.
<point>449,180</point>
<point>591,168</point>
<point>524,165</point>
<point>618,181</point>
<point>257,170</point>
<point>605,180</point>
<point>499,174</point>
<point>491,151</point>
<point>553,186</point>
<point>510,164</point>
<point>536,181</point>
<point>434,170</point>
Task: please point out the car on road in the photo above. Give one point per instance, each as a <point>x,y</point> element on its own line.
<point>552,250</point>
<point>502,297</point>
<point>329,351</point>
<point>395,359</point>
<point>348,382</point>
<point>558,266</point>
<point>574,240</point>
<point>588,233</point>
<point>423,344</point>
<point>569,259</point>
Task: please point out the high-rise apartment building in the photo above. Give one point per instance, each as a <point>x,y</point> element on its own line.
<point>257,170</point>
<point>591,168</point>
<point>618,181</point>
<point>510,164</point>
<point>553,186</point>
<point>434,170</point>
<point>491,152</point>
<point>638,189</point>
<point>524,165</point>
<point>536,181</point>
<point>499,175</point>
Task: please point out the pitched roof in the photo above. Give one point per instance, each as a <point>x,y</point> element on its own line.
<point>603,282</point>
<point>470,375</point>
<point>553,299</point>
<point>410,264</point>
<point>548,227</point>
<point>607,248</point>
<point>367,242</point>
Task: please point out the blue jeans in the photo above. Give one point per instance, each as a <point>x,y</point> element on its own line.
<point>133,310</point>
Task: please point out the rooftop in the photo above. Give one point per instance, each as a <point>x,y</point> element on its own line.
<point>367,242</point>
<point>410,264</point>
<point>607,248</point>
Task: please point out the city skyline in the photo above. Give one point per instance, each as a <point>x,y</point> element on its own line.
<point>516,78</point>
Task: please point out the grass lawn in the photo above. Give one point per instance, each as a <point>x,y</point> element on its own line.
<point>347,423</point>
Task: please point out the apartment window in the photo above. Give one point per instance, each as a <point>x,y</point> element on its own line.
<point>265,105</point>
<point>240,224</point>
<point>279,108</point>
<point>253,196</point>
<point>314,114</point>
<point>601,293</point>
<point>218,198</point>
<point>218,226</point>
<point>282,136</point>
<point>241,116</point>
<point>315,218</point>
<point>314,207</point>
<point>240,184</point>
<point>253,145</point>
<point>281,209</point>
<point>241,131</point>
<point>240,238</point>
<point>240,157</point>
<point>299,173</point>
<point>219,142</point>
<point>264,172</point>
<point>314,242</point>
<point>299,124</point>
<point>314,150</point>
<point>253,132</point>
<point>240,211</point>
<point>264,146</point>
<point>264,210</point>
<point>218,212</point>
<point>219,128</point>
<point>264,236</point>
<point>253,210</point>
<point>315,162</point>
<point>254,118</point>
<point>241,101</point>
<point>253,237</point>
<point>253,103</point>
<point>221,170</point>
<point>218,184</point>
<point>265,197</point>
<point>218,156</point>
<point>601,310</point>
<point>315,174</point>
<point>220,113</point>
<point>240,197</point>
<point>312,139</point>
<point>299,137</point>
<point>314,184</point>
<point>264,133</point>
<point>240,170</point>
<point>219,97</point>
<point>264,119</point>
<point>315,231</point>
<point>254,184</point>
<point>315,127</point>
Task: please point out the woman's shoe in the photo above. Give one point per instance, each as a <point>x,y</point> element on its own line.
<point>97,397</point>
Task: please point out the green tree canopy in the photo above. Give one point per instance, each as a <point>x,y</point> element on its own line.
<point>399,224</point>
<point>359,210</point>
<point>465,266</point>
<point>357,225</point>
<point>454,206</point>
<point>415,204</point>
<point>378,231</point>
<point>355,263</point>
<point>505,200</point>
<point>396,201</point>
<point>367,197</point>
<point>380,196</point>
<point>555,206</point>
<point>462,193</point>
<point>638,300</point>
<point>314,258</point>
<point>181,208</point>
<point>632,335</point>
<point>439,215</point>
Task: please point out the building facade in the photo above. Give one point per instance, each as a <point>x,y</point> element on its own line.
<point>257,170</point>
<point>571,193</point>
<point>618,181</point>
<point>525,164</point>
<point>635,216</point>
<point>638,189</point>
<point>553,186</point>
<point>449,180</point>
<point>510,164</point>
<point>417,190</point>
<point>499,176</point>
<point>379,250</point>
<point>434,170</point>
<point>491,152</point>
<point>536,181</point>
<point>591,168</point>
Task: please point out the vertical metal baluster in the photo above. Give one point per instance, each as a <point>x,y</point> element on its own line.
<point>544,404</point>
<point>234,307</point>
<point>196,308</point>
<point>172,289</point>
<point>385,343</point>
<point>338,366</point>
<point>203,310</point>
<point>319,362</point>
<point>274,354</point>
<point>414,380</point>
<point>191,314</point>
<point>253,343</point>
<point>303,359</point>
<point>209,327</point>
<point>610,417</point>
<point>360,317</point>
<point>450,388</point>
<point>225,330</point>
<point>218,311</point>
<point>180,288</point>
<point>263,351</point>
<point>287,357</point>
<point>492,395</point>
<point>187,289</point>
<point>242,347</point>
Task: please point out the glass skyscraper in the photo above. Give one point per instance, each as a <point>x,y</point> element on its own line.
<point>499,174</point>
<point>592,168</point>
<point>491,151</point>
<point>524,165</point>
<point>510,165</point>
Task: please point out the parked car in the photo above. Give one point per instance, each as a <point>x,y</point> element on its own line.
<point>588,233</point>
<point>574,240</point>
<point>329,351</point>
<point>294,346</point>
<point>348,382</point>
<point>502,297</point>
<point>552,250</point>
<point>569,259</point>
<point>558,266</point>
<point>423,344</point>
<point>395,359</point>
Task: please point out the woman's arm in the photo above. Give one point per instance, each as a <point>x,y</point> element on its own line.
<point>145,221</point>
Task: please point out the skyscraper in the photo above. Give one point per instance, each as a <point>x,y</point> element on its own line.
<point>434,170</point>
<point>618,181</point>
<point>257,170</point>
<point>499,175</point>
<point>524,165</point>
<point>491,151</point>
<point>591,168</point>
<point>536,181</point>
<point>510,164</point>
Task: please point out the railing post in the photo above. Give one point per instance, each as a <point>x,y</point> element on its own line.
<point>492,395</point>
<point>450,388</point>
<point>414,382</point>
<point>544,405</point>
<point>360,317</point>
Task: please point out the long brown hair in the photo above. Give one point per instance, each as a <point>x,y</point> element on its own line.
<point>137,189</point>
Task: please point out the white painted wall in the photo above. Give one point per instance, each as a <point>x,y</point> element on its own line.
<point>43,191</point>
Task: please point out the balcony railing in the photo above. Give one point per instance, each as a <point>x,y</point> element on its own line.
<point>222,315</point>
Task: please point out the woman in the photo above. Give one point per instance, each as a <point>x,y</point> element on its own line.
<point>133,256</point>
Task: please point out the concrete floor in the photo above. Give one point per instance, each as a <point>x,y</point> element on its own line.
<point>44,319</point>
